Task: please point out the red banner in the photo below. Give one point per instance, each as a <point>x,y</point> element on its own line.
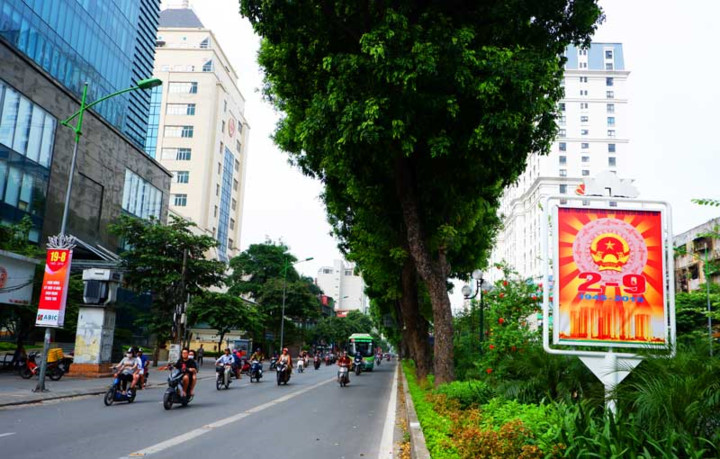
<point>610,278</point>
<point>53,295</point>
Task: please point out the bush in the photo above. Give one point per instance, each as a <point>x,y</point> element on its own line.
<point>467,393</point>
<point>4,347</point>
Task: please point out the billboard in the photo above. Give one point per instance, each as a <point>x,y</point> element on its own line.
<point>610,278</point>
<point>53,295</point>
<point>16,278</point>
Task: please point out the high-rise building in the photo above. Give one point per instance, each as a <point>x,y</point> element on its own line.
<point>110,45</point>
<point>592,138</point>
<point>198,128</point>
<point>48,49</point>
<point>344,285</point>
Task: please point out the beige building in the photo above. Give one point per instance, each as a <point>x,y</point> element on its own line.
<point>693,249</point>
<point>197,128</point>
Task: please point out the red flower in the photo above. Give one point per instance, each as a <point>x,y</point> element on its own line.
<point>505,283</point>
<point>492,346</point>
<point>489,370</point>
<point>551,298</point>
<point>534,298</point>
<point>513,348</point>
<point>501,321</point>
<point>502,295</point>
<point>540,285</point>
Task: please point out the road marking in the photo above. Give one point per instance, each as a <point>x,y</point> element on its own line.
<point>386,443</point>
<point>7,434</point>
<point>222,422</point>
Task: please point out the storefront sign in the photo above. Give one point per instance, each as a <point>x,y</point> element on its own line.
<point>16,278</point>
<point>609,268</point>
<point>51,310</point>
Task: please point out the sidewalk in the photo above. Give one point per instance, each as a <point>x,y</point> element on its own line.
<point>17,391</point>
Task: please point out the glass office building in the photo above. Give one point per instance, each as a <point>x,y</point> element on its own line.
<point>153,121</point>
<point>109,44</point>
<point>27,135</point>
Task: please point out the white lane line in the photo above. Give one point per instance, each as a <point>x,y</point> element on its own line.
<point>7,434</point>
<point>386,443</point>
<point>222,422</point>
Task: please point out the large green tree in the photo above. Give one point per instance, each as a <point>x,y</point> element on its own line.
<point>223,312</point>
<point>435,103</point>
<point>170,262</point>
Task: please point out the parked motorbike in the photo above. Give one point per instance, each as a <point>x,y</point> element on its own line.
<point>316,362</point>
<point>255,371</point>
<point>115,392</point>
<point>283,374</point>
<point>223,376</point>
<point>174,392</point>
<point>301,365</point>
<point>343,376</point>
<point>55,370</point>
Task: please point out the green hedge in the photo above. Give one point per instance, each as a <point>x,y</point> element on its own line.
<point>467,393</point>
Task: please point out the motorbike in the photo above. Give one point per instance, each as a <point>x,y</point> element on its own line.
<point>223,376</point>
<point>378,359</point>
<point>273,364</point>
<point>255,371</point>
<point>301,365</point>
<point>358,365</point>
<point>343,376</point>
<point>316,362</point>
<point>283,374</point>
<point>327,360</point>
<point>244,367</point>
<point>55,370</point>
<point>387,357</point>
<point>174,392</point>
<point>115,392</point>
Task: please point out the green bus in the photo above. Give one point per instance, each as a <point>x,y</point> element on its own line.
<point>363,344</point>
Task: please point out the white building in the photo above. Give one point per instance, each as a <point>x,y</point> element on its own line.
<point>341,283</point>
<point>592,138</point>
<point>198,129</point>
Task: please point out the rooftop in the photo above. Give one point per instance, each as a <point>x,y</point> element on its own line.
<point>180,18</point>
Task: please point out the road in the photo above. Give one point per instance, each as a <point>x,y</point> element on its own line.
<point>312,417</point>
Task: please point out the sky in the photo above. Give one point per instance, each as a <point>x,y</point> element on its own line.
<point>670,48</point>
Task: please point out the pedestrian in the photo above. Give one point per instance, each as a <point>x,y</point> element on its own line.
<point>200,355</point>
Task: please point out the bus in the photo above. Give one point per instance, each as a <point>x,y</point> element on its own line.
<point>363,344</point>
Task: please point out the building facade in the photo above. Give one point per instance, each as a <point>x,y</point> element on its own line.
<point>110,45</point>
<point>696,250</point>
<point>198,129</point>
<point>341,283</point>
<point>592,138</point>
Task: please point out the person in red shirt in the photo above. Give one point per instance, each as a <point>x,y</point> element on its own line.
<point>344,361</point>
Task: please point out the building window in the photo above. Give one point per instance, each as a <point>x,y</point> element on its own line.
<point>208,66</point>
<point>609,81</point>
<point>562,106</point>
<point>583,65</point>
<point>237,146</point>
<point>563,189</point>
<point>612,161</point>
<point>237,166</point>
<point>583,79</point>
<point>584,119</point>
<point>231,244</point>
<point>183,87</point>
<point>179,131</point>
<point>216,211</point>
<point>187,131</point>
<point>176,154</point>
<point>613,203</point>
<point>140,198</point>
<point>608,66</point>
<point>232,223</point>
<point>583,92</point>
<point>205,44</point>
<point>610,94</point>
<point>224,106</point>
<point>233,206</point>
<point>222,147</point>
<point>611,133</point>
<point>585,172</point>
<point>586,202</point>
<point>611,148</point>
<point>180,200</point>
<point>182,177</point>
<point>561,120</point>
<point>180,109</point>
<point>584,145</point>
<point>583,105</point>
<point>562,146</point>
<point>585,159</point>
<point>608,54</point>
<point>217,190</point>
<point>562,133</point>
<point>584,132</point>
<point>563,160</point>
<point>219,168</point>
<point>610,108</point>
<point>235,185</point>
<point>563,172</point>
<point>563,201</point>
<point>582,52</point>
<point>611,121</point>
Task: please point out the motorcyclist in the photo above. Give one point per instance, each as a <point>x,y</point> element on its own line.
<point>358,359</point>
<point>344,361</point>
<point>127,368</point>
<point>141,376</point>
<point>258,357</point>
<point>225,359</point>
<point>286,359</point>
<point>189,368</point>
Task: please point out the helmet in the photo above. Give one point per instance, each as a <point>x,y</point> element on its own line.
<point>285,349</point>
<point>140,349</point>
<point>257,350</point>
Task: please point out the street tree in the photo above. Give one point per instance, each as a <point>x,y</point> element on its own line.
<point>437,104</point>
<point>169,261</point>
<point>223,312</point>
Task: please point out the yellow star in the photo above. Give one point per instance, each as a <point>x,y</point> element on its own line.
<point>609,245</point>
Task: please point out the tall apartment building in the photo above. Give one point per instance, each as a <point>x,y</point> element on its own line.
<point>48,50</point>
<point>198,129</point>
<point>592,138</point>
<point>341,283</point>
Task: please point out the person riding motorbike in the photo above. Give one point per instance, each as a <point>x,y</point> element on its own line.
<point>225,359</point>
<point>358,360</point>
<point>188,367</point>
<point>344,361</point>
<point>286,359</point>
<point>257,357</point>
<point>127,368</point>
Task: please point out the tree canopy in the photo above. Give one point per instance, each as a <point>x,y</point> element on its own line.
<point>426,110</point>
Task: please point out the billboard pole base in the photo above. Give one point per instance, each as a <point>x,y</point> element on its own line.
<point>610,370</point>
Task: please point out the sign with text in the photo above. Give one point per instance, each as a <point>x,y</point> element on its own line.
<point>610,273</point>
<point>16,278</point>
<point>53,295</point>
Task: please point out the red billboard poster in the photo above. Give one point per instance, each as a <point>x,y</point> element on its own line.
<point>53,295</point>
<point>610,272</point>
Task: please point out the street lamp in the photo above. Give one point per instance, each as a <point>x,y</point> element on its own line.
<point>282,314</point>
<point>148,83</point>
<point>469,295</point>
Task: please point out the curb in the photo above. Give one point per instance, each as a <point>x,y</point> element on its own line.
<point>77,393</point>
<point>418,448</point>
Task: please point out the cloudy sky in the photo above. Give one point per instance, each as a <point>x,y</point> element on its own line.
<point>670,49</point>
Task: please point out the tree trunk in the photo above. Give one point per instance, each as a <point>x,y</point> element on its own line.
<point>156,354</point>
<point>220,346</point>
<point>415,325</point>
<point>433,271</point>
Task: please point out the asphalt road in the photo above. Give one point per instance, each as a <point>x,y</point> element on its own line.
<point>312,417</point>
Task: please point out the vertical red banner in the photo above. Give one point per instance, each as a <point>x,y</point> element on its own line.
<point>610,278</point>
<point>53,295</point>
